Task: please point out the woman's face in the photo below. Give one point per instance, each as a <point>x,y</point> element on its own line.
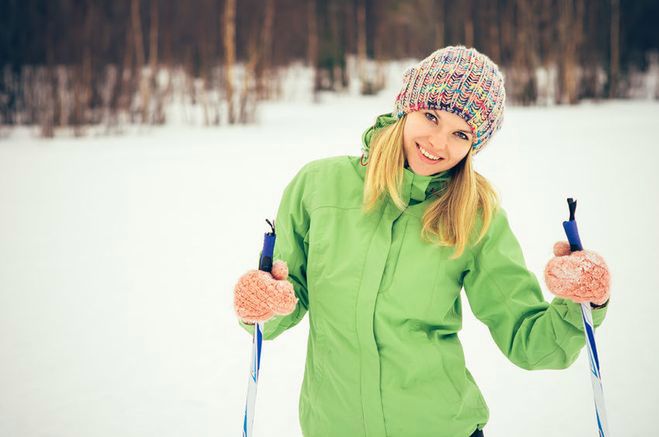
<point>441,134</point>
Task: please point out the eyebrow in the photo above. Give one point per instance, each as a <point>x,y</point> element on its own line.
<point>459,130</point>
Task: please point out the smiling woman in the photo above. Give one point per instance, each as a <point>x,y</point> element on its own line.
<point>383,354</point>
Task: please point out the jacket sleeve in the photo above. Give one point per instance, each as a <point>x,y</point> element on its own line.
<point>507,297</point>
<point>291,245</point>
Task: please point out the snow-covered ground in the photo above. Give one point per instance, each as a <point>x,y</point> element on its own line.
<point>118,257</point>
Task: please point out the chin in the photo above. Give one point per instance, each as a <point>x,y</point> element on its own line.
<point>423,169</point>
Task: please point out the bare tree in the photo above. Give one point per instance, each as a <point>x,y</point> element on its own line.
<point>248,92</point>
<point>614,65</point>
<point>468,23</point>
<point>229,25</point>
<point>312,45</point>
<point>136,22</point>
<point>157,114</point>
<point>524,56</point>
<point>492,29</point>
<point>439,14</point>
<point>264,52</point>
<point>570,25</point>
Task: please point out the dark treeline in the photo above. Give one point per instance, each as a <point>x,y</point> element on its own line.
<point>80,62</point>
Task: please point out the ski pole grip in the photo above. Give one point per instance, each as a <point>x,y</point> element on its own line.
<point>572,233</point>
<point>570,227</point>
<point>265,262</point>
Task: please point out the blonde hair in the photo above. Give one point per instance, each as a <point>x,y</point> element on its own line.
<point>452,217</point>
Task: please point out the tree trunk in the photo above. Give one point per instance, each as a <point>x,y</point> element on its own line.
<point>615,49</point>
<point>570,36</point>
<point>150,87</point>
<point>468,23</point>
<point>125,75</point>
<point>361,38</point>
<point>507,37</point>
<point>246,110</point>
<point>264,55</point>
<point>440,19</point>
<point>524,56</point>
<point>312,46</point>
<point>589,60</point>
<point>492,17</point>
<point>139,56</point>
<point>229,26</point>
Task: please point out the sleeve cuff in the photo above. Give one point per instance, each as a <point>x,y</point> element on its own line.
<point>592,305</point>
<point>271,327</point>
<point>249,328</point>
<point>572,312</point>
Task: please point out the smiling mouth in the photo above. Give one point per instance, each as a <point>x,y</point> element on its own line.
<point>426,158</point>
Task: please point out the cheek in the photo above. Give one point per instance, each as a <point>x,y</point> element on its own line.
<point>408,143</point>
<point>464,148</point>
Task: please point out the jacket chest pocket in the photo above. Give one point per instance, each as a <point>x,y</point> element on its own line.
<point>338,241</point>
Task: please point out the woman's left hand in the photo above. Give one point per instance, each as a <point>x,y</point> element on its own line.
<point>581,276</point>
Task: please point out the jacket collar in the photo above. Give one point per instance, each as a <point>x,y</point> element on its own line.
<point>415,186</point>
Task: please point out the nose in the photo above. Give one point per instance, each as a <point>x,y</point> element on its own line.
<point>439,140</point>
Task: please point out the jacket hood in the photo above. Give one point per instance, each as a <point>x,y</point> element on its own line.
<point>428,184</point>
<point>381,121</point>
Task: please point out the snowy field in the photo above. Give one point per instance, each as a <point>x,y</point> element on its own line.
<point>118,257</point>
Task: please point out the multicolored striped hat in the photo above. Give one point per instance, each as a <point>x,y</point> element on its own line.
<point>460,80</point>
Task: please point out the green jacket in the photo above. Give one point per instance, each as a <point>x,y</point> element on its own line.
<point>383,353</point>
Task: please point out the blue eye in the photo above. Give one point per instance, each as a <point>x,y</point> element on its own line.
<point>463,135</point>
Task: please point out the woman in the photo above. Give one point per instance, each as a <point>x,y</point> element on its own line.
<point>377,249</point>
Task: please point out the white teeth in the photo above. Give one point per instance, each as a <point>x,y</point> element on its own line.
<point>426,153</point>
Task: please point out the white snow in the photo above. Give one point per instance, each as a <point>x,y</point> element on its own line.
<point>118,257</point>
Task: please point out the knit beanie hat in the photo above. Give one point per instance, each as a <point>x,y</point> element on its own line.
<point>459,80</point>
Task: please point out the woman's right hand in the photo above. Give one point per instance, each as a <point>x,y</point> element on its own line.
<point>259,295</point>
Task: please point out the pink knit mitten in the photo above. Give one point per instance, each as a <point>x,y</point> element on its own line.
<point>259,295</point>
<point>581,276</point>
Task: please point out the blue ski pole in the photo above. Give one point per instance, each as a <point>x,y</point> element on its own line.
<point>265,264</point>
<point>570,227</point>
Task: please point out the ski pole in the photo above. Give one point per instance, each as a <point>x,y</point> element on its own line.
<point>570,227</point>
<point>265,264</point>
